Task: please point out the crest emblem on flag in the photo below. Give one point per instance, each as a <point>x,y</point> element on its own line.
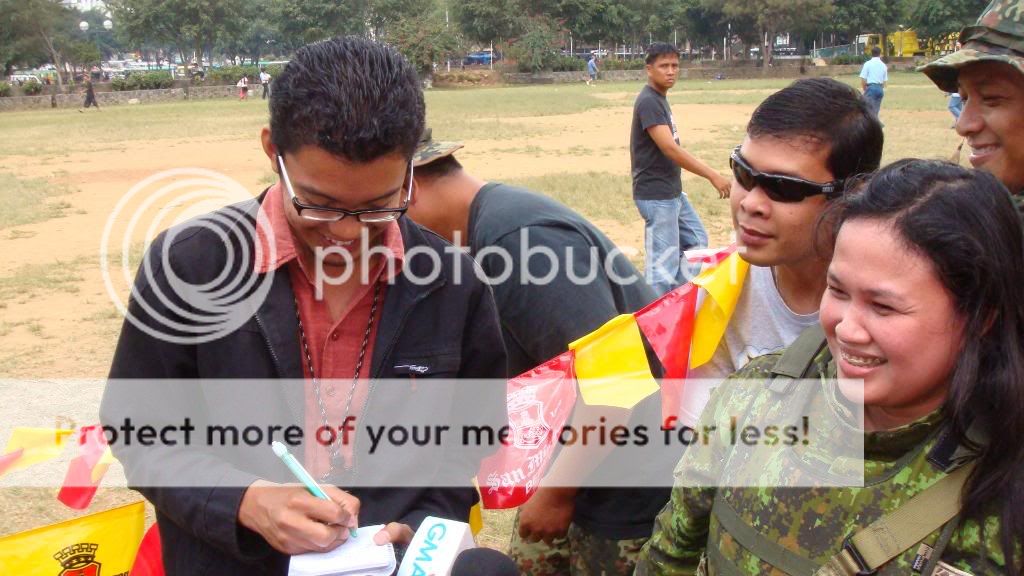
<point>78,560</point>
<point>526,419</point>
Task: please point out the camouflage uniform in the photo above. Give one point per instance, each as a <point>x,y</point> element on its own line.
<point>998,36</point>
<point>796,530</point>
<point>428,149</point>
<point>580,553</point>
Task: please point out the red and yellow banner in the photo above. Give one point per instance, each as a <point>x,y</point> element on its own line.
<point>609,367</point>
<point>93,545</point>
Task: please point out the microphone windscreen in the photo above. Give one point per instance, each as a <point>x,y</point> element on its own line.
<point>483,562</point>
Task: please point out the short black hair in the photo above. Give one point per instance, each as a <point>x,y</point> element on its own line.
<point>439,168</point>
<point>353,97</point>
<point>659,49</point>
<point>876,51</point>
<point>830,112</point>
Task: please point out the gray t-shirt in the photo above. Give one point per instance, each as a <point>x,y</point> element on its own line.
<point>761,324</point>
<point>655,176</point>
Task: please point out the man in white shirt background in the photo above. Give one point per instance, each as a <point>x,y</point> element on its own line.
<point>874,75</point>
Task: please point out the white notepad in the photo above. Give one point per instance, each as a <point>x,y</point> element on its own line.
<point>356,557</point>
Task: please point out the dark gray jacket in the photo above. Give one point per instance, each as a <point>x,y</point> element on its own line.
<point>445,329</point>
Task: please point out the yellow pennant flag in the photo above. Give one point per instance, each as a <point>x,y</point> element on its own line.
<point>722,285</point>
<point>611,365</point>
<point>39,445</point>
<point>102,543</point>
<point>101,467</point>
<point>476,519</point>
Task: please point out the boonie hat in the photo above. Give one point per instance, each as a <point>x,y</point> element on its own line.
<point>428,149</point>
<point>998,36</point>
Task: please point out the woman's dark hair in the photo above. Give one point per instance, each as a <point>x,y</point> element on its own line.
<point>964,222</point>
<point>829,112</point>
<point>659,49</point>
<point>354,98</point>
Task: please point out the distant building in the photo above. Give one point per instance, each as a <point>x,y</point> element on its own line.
<point>85,5</point>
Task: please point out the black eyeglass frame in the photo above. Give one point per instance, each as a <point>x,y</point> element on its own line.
<point>384,214</point>
<point>774,185</point>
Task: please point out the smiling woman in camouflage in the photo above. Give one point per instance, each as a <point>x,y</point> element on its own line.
<point>923,307</point>
<point>988,72</point>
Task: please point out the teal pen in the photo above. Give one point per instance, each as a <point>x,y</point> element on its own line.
<point>300,473</point>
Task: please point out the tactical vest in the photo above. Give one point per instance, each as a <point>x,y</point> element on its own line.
<point>900,522</point>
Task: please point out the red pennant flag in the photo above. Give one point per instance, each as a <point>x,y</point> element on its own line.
<point>7,460</point>
<point>79,483</point>
<point>539,404</point>
<point>149,559</point>
<point>668,325</point>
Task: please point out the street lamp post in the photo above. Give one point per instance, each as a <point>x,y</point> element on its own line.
<point>84,27</point>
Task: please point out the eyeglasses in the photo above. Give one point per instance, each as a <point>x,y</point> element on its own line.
<point>778,187</point>
<point>316,213</point>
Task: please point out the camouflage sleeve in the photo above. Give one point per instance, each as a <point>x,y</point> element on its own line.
<point>680,533</point>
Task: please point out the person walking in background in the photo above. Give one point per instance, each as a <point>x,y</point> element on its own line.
<point>874,75</point>
<point>592,69</point>
<point>265,82</point>
<point>90,96</point>
<point>243,88</point>
<point>671,225</point>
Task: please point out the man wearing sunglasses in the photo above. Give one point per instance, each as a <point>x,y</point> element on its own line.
<point>803,144</point>
<point>357,294</point>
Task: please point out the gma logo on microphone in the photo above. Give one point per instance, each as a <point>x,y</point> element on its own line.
<point>434,547</point>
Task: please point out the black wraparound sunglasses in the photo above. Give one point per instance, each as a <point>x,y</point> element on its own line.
<point>778,187</point>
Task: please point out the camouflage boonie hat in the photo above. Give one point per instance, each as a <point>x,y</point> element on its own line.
<point>998,36</point>
<point>429,149</point>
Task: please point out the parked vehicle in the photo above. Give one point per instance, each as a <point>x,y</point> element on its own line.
<point>21,79</point>
<point>485,57</point>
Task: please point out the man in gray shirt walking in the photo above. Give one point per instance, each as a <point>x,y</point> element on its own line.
<point>671,225</point>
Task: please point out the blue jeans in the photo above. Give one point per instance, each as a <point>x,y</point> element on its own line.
<point>874,95</point>
<point>670,226</point>
<point>956,105</point>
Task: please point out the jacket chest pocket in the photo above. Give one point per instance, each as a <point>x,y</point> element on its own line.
<point>437,365</point>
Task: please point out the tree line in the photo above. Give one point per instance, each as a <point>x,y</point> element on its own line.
<point>431,31</point>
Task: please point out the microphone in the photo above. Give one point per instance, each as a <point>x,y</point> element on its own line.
<point>483,562</point>
<point>435,547</point>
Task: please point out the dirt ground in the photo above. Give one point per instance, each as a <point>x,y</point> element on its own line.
<point>64,325</point>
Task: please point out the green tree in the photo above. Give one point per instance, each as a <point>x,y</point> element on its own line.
<point>488,20</point>
<point>385,16</point>
<point>774,16</point>
<point>185,24</point>
<point>254,33</point>
<point>855,17</point>
<point>425,41</point>
<point>305,21</point>
<point>105,41</point>
<point>937,18</point>
<point>20,45</point>
<point>537,48</point>
<point>39,26</point>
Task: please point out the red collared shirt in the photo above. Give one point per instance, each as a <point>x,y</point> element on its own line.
<point>333,346</point>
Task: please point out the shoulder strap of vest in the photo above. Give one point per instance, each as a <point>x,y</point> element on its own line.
<point>892,534</point>
<point>798,360</point>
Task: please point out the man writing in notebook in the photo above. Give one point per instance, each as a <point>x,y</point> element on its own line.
<point>345,117</point>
